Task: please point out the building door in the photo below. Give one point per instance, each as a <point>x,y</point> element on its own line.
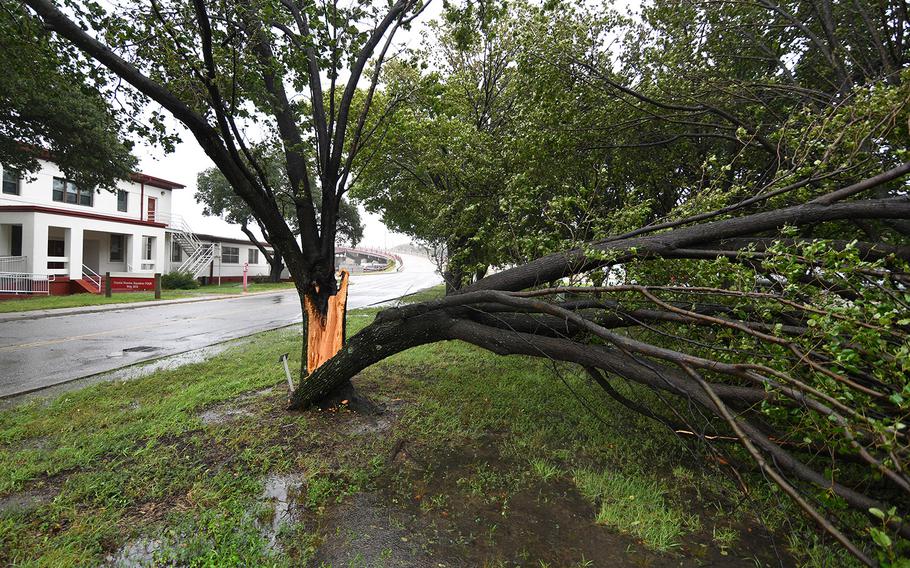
<point>16,241</point>
<point>91,254</point>
<point>151,209</point>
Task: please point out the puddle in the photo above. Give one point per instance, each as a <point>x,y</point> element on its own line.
<point>234,409</point>
<point>284,493</point>
<point>140,552</point>
<point>25,501</point>
<point>379,423</point>
<point>167,363</point>
<point>222,415</point>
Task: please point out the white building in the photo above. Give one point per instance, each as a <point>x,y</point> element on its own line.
<point>65,238</point>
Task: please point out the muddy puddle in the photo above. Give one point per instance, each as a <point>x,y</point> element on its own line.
<point>25,501</point>
<point>136,554</point>
<point>285,495</point>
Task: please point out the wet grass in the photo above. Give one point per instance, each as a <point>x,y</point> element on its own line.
<point>475,446</point>
<point>79,300</point>
<point>636,505</point>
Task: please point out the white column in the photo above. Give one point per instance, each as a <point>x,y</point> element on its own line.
<point>34,242</point>
<point>74,244</point>
<point>160,255</point>
<point>134,252</point>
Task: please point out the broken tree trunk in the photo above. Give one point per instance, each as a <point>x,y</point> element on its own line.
<point>325,332</point>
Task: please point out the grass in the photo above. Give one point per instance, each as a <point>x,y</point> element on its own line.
<point>119,461</point>
<point>636,505</point>
<point>78,300</point>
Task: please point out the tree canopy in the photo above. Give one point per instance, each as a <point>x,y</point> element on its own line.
<point>704,207</point>
<point>53,107</point>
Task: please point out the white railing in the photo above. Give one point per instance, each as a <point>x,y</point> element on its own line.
<point>25,283</point>
<point>198,260</point>
<point>13,263</point>
<point>91,276</point>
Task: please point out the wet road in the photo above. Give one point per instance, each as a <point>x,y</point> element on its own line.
<point>36,353</point>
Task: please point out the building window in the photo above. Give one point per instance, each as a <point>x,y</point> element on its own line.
<point>230,255</point>
<point>121,200</point>
<point>148,247</point>
<point>10,182</point>
<point>176,252</point>
<point>117,248</point>
<point>254,256</point>
<point>56,248</point>
<point>66,191</point>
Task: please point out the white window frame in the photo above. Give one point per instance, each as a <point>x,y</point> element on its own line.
<point>16,181</point>
<point>235,254</point>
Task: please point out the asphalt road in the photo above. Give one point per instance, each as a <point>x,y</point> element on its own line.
<point>53,349</point>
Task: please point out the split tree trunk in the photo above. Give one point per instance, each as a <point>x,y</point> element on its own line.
<point>325,336</point>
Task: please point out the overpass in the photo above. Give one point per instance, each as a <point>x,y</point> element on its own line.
<point>361,259</point>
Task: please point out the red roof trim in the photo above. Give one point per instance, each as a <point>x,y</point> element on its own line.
<point>83,214</point>
<point>155,181</point>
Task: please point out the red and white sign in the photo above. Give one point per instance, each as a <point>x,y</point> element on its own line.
<point>246,266</point>
<point>131,284</point>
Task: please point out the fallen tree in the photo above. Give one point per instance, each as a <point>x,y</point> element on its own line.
<point>804,347</point>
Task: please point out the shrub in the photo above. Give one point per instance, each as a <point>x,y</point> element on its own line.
<point>179,281</point>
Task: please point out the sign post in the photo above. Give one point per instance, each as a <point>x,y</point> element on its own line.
<point>246,266</point>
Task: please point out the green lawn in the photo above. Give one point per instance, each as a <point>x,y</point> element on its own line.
<point>473,452</point>
<point>77,300</point>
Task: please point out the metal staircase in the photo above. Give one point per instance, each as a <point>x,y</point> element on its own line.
<point>199,254</point>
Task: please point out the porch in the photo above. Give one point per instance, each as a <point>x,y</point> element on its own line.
<point>38,251</point>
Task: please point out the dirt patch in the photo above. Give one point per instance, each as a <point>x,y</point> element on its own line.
<point>470,507</point>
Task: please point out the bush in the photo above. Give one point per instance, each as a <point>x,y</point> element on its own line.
<point>179,281</point>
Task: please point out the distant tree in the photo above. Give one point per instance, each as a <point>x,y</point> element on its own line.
<point>218,198</point>
<point>50,106</point>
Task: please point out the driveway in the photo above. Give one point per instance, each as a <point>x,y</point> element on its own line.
<point>41,352</point>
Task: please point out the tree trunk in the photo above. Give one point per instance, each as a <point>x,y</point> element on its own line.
<point>375,343</point>
<point>276,266</point>
<point>324,332</point>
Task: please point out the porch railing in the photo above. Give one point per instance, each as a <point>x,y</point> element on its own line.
<point>13,263</point>
<point>25,283</point>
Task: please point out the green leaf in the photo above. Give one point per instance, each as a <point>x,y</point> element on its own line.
<point>880,538</point>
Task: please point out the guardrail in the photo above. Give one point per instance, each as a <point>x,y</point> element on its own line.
<point>25,283</point>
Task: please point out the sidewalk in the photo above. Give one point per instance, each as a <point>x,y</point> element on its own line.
<point>39,314</point>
